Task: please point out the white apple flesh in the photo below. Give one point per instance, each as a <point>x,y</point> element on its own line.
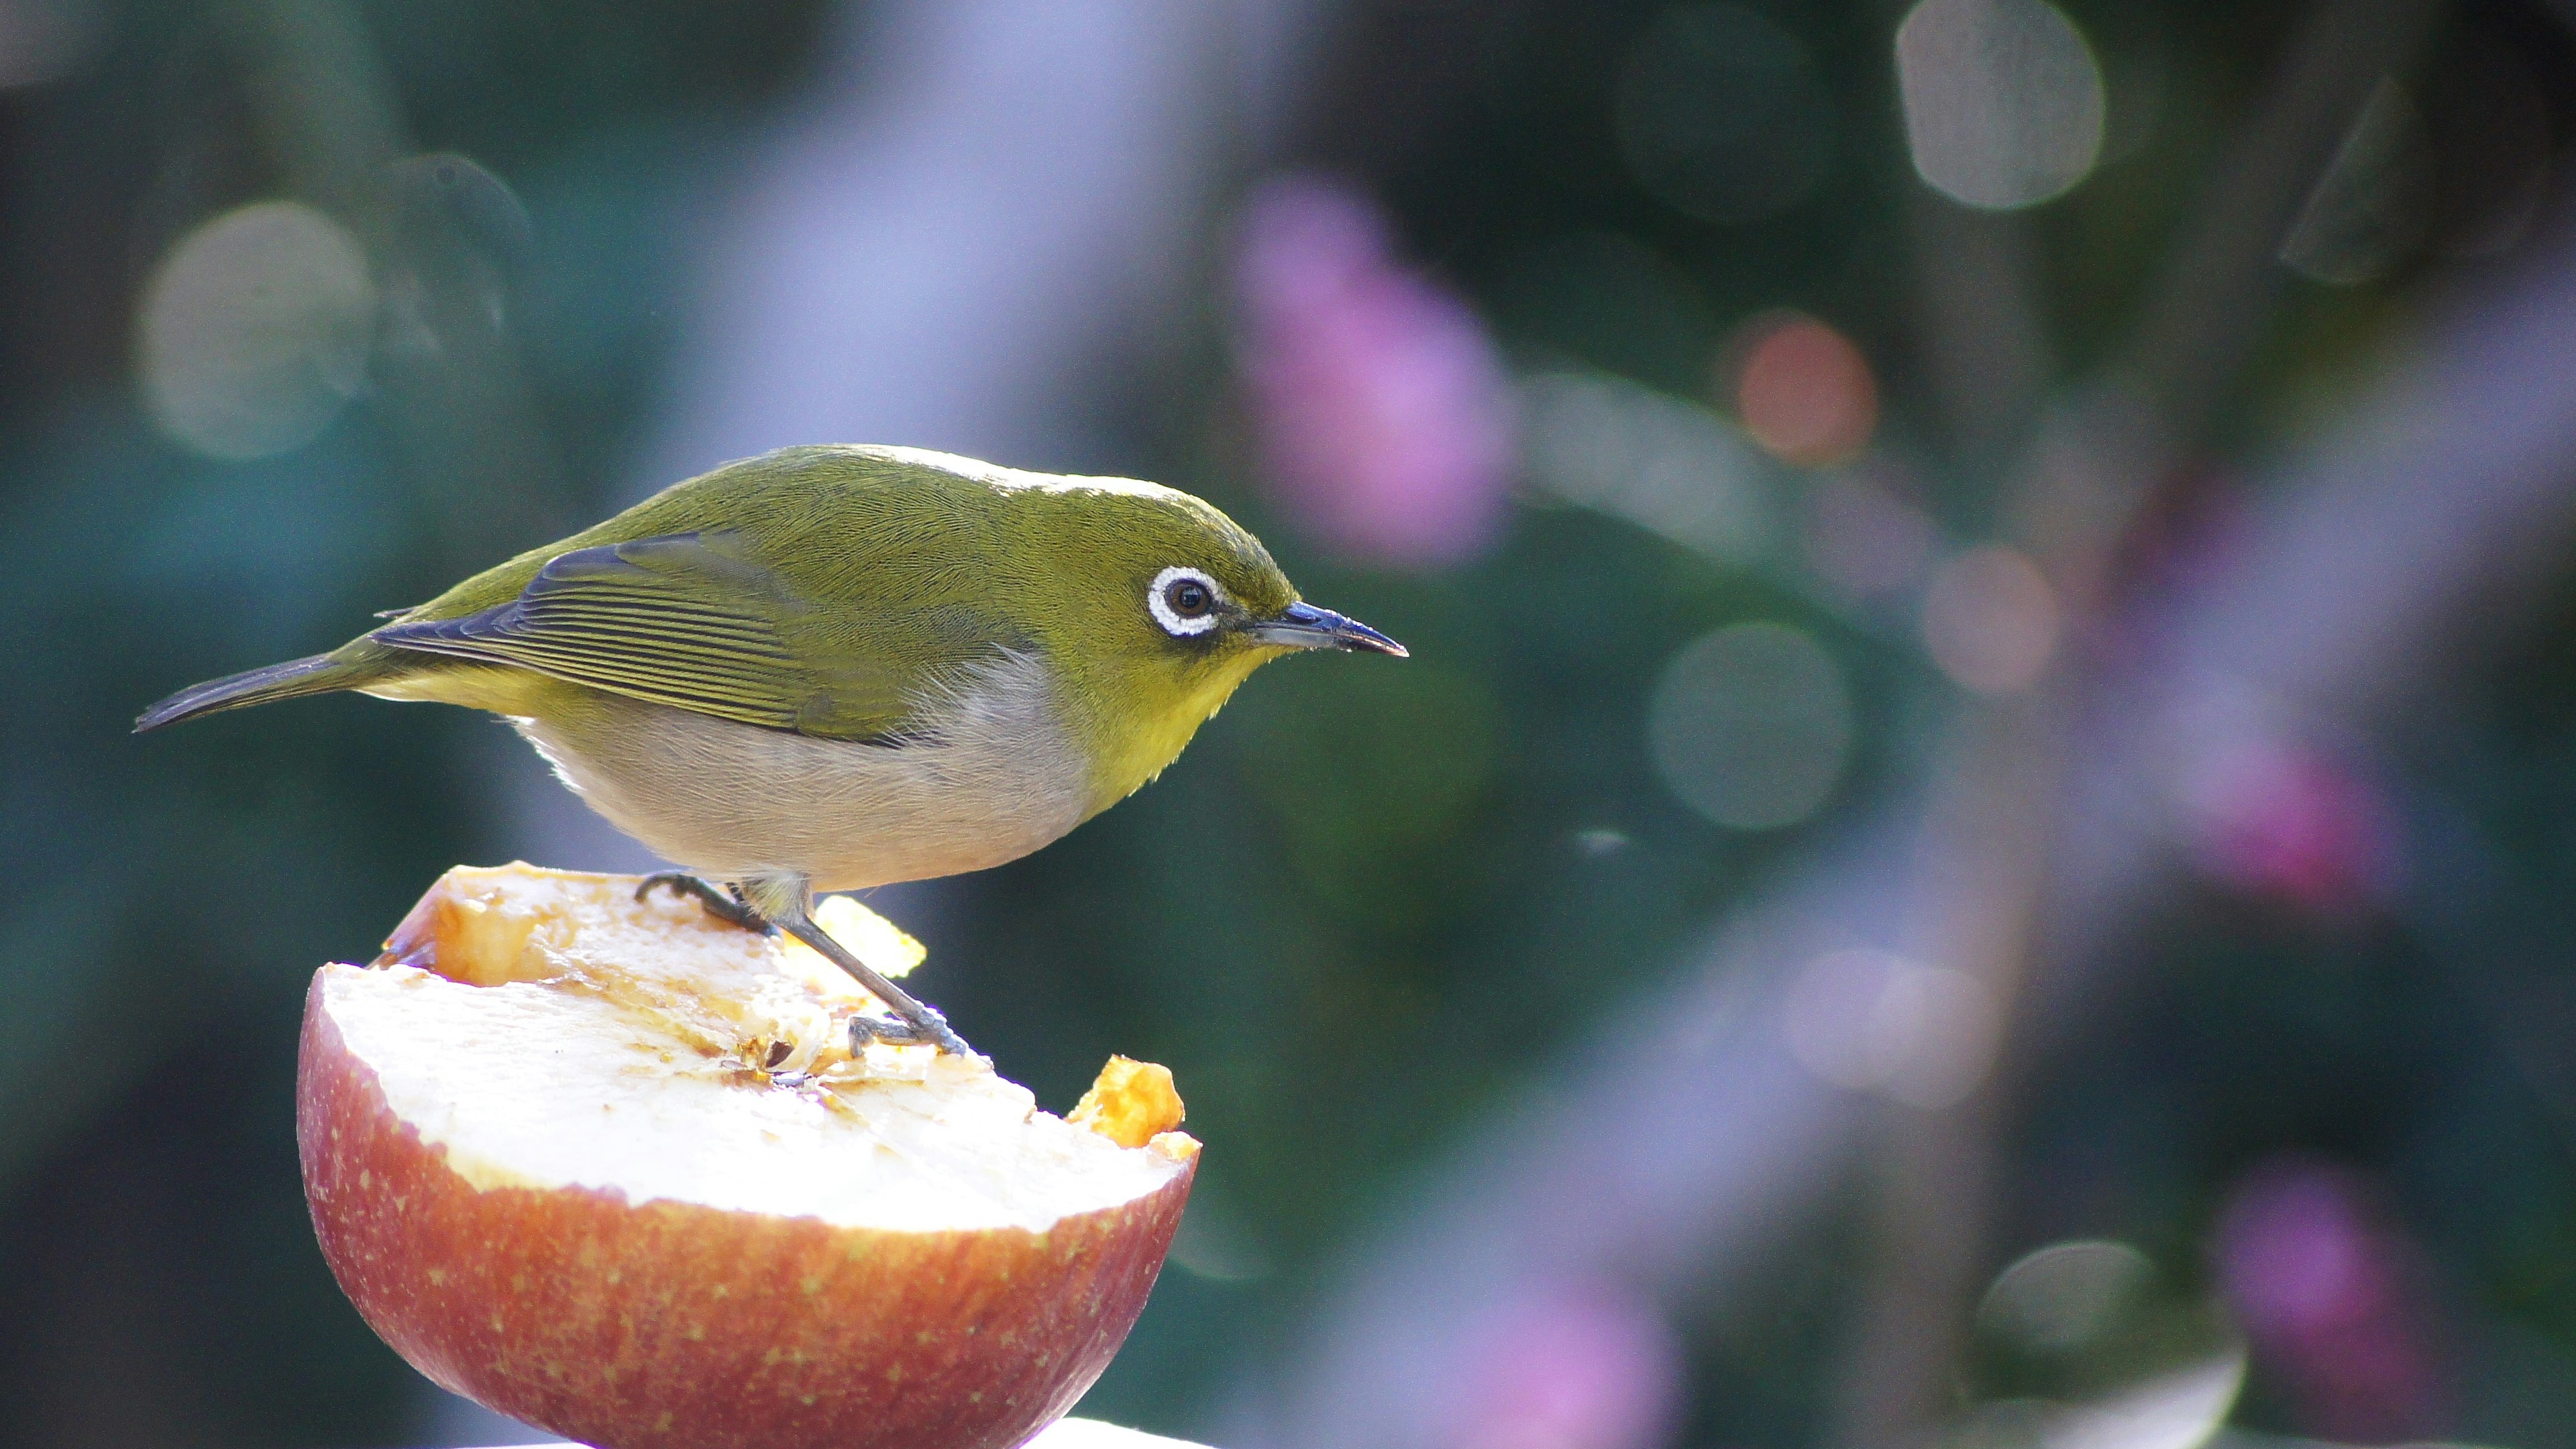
<point>610,1168</point>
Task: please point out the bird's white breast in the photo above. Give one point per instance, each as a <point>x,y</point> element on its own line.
<point>990,777</point>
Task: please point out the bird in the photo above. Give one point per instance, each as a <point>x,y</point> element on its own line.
<point>833,667</point>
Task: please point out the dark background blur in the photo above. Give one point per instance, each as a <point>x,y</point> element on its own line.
<point>1979,845</point>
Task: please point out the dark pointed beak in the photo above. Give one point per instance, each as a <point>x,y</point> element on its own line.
<point>1303,626</point>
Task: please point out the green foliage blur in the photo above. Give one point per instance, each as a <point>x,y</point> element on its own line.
<point>1356,919</point>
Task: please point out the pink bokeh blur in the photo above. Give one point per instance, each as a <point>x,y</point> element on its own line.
<point>2327,1291</point>
<point>2295,823</point>
<point>1587,1366</point>
<point>1802,389</point>
<point>1382,410</point>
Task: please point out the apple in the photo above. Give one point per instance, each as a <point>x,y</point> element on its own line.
<point>611,1167</point>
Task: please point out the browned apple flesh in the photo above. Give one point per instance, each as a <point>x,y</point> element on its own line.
<point>611,1167</point>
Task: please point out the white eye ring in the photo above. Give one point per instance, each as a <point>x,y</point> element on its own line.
<point>1174,622</point>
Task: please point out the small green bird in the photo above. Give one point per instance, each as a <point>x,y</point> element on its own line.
<point>828,668</point>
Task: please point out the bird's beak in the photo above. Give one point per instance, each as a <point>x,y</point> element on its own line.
<point>1303,626</point>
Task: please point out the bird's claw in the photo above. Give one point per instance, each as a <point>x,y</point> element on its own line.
<point>866,1029</point>
<point>931,1029</point>
<point>724,905</point>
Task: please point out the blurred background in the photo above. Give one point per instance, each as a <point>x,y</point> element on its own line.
<point>1979,847</point>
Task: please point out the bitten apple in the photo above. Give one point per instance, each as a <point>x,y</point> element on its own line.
<point>610,1167</point>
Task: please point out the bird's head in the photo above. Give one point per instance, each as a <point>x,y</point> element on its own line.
<point>1168,605</point>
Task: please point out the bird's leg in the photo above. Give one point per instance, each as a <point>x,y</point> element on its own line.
<point>722,904</point>
<point>786,902</point>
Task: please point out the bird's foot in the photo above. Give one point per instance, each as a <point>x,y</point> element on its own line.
<point>908,1029</point>
<point>722,903</point>
<point>914,1022</point>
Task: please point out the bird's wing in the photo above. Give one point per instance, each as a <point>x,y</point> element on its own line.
<point>686,620</point>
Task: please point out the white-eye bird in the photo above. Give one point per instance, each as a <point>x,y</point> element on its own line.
<point>827,668</point>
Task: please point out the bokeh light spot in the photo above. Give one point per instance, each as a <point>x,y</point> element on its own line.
<point>1862,538</point>
<point>1601,842</point>
<point>255,330</point>
<point>1991,620</point>
<point>1840,1022</point>
<point>1805,393</point>
<point>2064,1296</point>
<point>1751,725</point>
<point>1721,116</point>
<point>2374,206</point>
<point>1869,1020</point>
<point>2082,1346</point>
<point>1657,461</point>
<point>2003,100</point>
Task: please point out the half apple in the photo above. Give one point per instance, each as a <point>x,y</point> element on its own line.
<point>611,1167</point>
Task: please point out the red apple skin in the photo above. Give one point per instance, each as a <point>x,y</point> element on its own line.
<point>628,1326</point>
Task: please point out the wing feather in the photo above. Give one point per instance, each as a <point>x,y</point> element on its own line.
<point>681,620</point>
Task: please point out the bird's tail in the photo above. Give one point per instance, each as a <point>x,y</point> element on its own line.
<point>314,674</point>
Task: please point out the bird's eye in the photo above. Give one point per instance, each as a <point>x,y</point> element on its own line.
<point>1184,601</point>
